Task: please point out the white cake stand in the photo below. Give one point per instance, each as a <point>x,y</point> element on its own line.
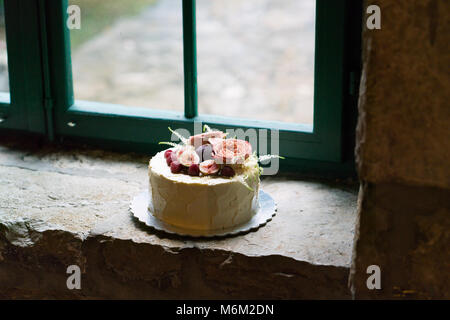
<point>140,209</point>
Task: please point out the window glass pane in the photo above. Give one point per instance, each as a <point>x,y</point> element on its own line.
<point>256,58</point>
<point>4,80</point>
<point>129,52</point>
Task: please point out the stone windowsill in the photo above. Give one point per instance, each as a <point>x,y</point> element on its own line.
<point>61,207</point>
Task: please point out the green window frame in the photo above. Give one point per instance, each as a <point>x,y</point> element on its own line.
<point>42,101</point>
<point>21,108</point>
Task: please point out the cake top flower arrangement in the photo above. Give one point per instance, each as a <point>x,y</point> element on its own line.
<point>211,153</point>
<point>207,184</point>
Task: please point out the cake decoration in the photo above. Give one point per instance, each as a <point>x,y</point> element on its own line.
<point>211,153</point>
<point>206,182</point>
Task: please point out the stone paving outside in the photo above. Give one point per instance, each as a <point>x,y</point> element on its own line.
<point>255,59</point>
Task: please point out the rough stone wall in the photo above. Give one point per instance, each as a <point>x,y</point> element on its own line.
<point>69,205</point>
<point>403,152</point>
<point>33,264</point>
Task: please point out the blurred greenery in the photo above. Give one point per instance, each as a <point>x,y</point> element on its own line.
<point>98,15</point>
<point>2,21</point>
<point>1,12</point>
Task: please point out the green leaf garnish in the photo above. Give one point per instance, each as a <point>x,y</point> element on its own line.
<point>173,144</point>
<point>268,157</point>
<point>183,139</point>
<point>260,170</point>
<point>206,128</point>
<point>245,182</point>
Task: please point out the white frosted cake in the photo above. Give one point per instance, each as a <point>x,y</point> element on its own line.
<point>207,183</point>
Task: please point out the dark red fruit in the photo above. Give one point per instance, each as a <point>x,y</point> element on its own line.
<point>175,166</point>
<point>171,157</point>
<point>209,167</point>
<point>227,171</point>
<point>205,152</point>
<point>194,170</point>
<point>167,153</point>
